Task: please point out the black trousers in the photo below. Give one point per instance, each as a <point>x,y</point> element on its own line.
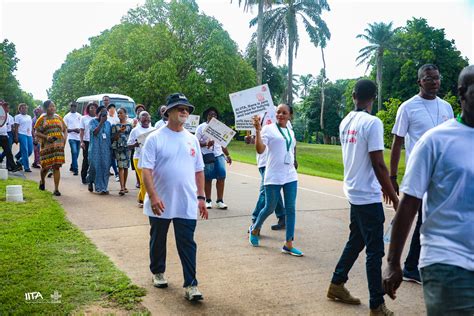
<point>8,151</point>
<point>85,162</point>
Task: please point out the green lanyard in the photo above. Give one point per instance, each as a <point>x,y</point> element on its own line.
<point>287,140</point>
<point>460,120</point>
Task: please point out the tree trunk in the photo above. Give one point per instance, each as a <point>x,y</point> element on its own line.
<point>260,43</point>
<point>291,46</point>
<point>379,79</point>
<point>321,119</point>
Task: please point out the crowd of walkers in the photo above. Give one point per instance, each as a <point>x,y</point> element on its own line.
<point>175,169</point>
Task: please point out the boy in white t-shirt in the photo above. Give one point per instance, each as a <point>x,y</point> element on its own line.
<point>414,117</point>
<point>441,172</point>
<point>365,178</point>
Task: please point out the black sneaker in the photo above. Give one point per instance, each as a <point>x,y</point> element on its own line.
<point>280,225</point>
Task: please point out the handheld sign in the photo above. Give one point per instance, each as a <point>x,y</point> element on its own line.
<point>141,139</point>
<point>219,132</point>
<point>250,102</point>
<point>3,116</point>
<point>192,123</point>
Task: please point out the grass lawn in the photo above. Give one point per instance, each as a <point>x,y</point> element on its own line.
<point>313,159</point>
<point>41,251</point>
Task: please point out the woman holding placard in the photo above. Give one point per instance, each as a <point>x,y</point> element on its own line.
<point>280,174</point>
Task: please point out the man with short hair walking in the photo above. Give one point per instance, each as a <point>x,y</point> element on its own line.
<point>172,169</point>
<point>414,117</point>
<point>73,123</point>
<point>365,178</point>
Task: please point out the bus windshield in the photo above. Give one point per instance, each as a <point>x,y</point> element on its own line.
<point>121,103</point>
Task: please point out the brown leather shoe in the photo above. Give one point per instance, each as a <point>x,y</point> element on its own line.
<point>382,310</point>
<point>338,292</point>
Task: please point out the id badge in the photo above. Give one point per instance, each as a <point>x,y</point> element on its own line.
<point>287,158</point>
<point>104,136</point>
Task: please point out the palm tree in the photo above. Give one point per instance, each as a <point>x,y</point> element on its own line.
<point>260,46</point>
<point>380,37</point>
<point>281,28</point>
<point>305,82</point>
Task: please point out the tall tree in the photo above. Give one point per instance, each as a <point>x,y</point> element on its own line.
<point>262,4</point>
<point>380,36</point>
<point>281,28</point>
<point>305,83</point>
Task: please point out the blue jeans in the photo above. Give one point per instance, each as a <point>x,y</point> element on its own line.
<point>26,149</point>
<point>75,148</point>
<point>215,170</point>
<point>272,195</point>
<point>448,290</point>
<point>184,236</point>
<point>411,262</point>
<point>366,230</point>
<point>280,209</point>
<point>113,163</point>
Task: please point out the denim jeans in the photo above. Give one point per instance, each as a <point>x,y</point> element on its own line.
<point>184,236</point>
<point>75,148</point>
<point>272,195</point>
<point>26,149</point>
<point>411,262</point>
<point>448,290</point>
<point>280,209</point>
<point>113,163</point>
<point>366,230</point>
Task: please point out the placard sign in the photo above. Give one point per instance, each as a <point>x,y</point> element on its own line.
<point>250,102</point>
<point>141,139</point>
<point>219,132</point>
<point>3,116</point>
<point>192,123</point>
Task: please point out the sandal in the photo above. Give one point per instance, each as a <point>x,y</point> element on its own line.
<point>56,193</point>
<point>125,190</point>
<point>121,192</point>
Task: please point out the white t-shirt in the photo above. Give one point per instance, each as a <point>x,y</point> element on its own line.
<point>262,158</point>
<point>416,116</point>
<point>10,122</point>
<point>160,124</point>
<point>277,171</point>
<point>174,158</point>
<point>132,138</point>
<point>360,134</point>
<point>73,121</point>
<point>3,130</point>
<point>216,148</point>
<point>85,120</point>
<point>24,124</point>
<point>113,119</point>
<point>442,165</point>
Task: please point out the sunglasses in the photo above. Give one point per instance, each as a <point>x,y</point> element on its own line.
<point>182,109</point>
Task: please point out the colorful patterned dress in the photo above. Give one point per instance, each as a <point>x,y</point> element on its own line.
<point>119,146</point>
<point>51,154</point>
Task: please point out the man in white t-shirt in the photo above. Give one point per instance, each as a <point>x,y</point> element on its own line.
<point>85,136</point>
<point>414,117</point>
<point>73,123</point>
<point>365,178</point>
<point>172,170</point>
<point>440,172</point>
<point>163,120</point>
<point>5,143</point>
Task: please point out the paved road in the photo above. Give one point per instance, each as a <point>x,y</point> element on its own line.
<point>234,277</point>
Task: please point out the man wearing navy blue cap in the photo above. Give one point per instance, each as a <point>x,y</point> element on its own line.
<point>172,169</point>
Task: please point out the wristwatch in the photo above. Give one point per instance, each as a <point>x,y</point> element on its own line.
<point>200,197</point>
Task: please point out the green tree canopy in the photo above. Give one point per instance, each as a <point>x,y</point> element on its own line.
<point>158,49</point>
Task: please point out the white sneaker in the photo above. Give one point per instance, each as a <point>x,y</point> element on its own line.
<point>192,293</point>
<point>117,179</point>
<point>221,205</point>
<point>159,280</point>
<point>208,205</point>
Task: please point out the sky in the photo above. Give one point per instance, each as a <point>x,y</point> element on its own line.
<point>44,32</point>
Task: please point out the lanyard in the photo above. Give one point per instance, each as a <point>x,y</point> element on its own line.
<point>460,120</point>
<point>287,140</point>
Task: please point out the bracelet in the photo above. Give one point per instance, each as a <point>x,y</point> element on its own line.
<point>200,197</point>
<point>393,177</point>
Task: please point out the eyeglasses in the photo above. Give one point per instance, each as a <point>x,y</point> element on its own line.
<point>182,109</point>
<point>432,79</point>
